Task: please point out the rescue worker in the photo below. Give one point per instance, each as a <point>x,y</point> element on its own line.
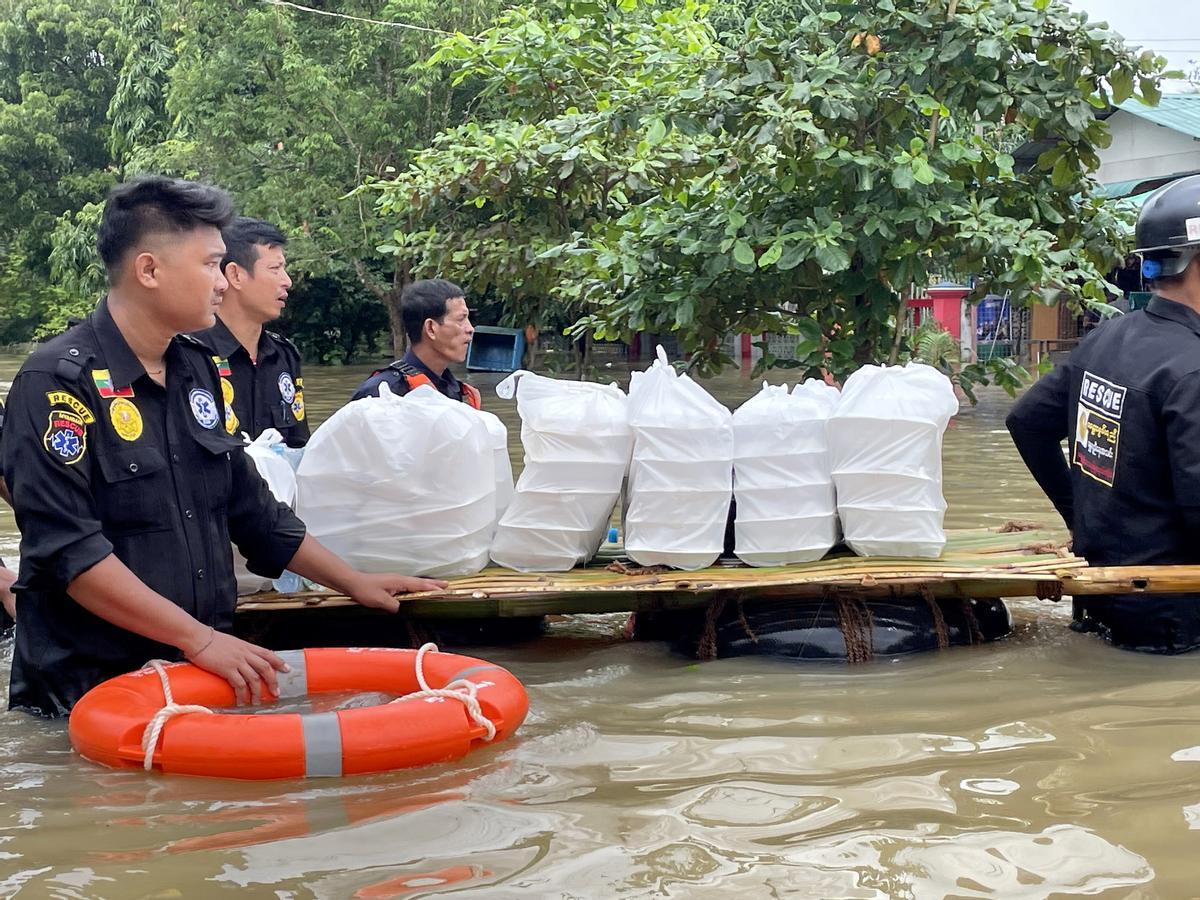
<point>1128,403</point>
<point>259,369</point>
<point>128,490</point>
<point>438,325</point>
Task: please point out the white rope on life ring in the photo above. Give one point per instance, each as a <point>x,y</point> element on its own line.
<point>155,726</point>
<point>462,690</point>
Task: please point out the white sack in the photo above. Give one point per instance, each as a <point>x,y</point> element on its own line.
<point>786,511</point>
<point>681,476</point>
<point>402,484</point>
<point>885,438</point>
<point>577,442</point>
<point>276,471</point>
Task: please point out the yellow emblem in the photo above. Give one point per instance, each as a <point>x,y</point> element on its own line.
<point>227,391</point>
<point>231,419</point>
<point>125,418</point>
<point>62,398</point>
<point>298,401</point>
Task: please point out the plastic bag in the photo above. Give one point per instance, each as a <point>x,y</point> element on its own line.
<point>681,476</point>
<point>786,510</point>
<point>885,438</point>
<point>402,484</point>
<point>577,442</point>
<point>267,453</point>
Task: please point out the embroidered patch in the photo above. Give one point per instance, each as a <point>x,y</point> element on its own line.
<point>204,407</point>
<point>71,402</point>
<point>287,388</point>
<point>298,403</point>
<point>222,367</point>
<point>231,419</point>
<point>105,386</point>
<point>1098,428</point>
<point>66,437</point>
<point>126,419</point>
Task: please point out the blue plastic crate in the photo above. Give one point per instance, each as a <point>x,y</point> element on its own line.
<point>496,349</point>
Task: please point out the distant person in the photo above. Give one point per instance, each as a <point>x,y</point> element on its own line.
<point>438,325</point>
<point>1127,402</point>
<point>259,369</point>
<point>128,490</point>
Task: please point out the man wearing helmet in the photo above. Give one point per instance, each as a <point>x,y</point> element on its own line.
<point>1127,401</point>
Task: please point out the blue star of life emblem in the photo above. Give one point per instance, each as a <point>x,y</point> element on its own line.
<point>65,444</point>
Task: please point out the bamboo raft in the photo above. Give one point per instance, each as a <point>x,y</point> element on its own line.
<point>979,563</point>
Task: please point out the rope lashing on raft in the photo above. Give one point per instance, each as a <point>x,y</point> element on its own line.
<point>461,690</point>
<point>155,726</point>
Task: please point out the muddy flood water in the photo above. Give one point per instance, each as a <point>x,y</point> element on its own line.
<point>1044,765</point>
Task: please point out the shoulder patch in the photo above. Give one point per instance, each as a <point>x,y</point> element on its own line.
<point>204,407</point>
<point>71,402</point>
<point>66,436</point>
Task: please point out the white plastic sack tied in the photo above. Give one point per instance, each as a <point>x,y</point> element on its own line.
<point>681,477</point>
<point>786,511</point>
<point>886,442</point>
<point>577,443</point>
<point>267,453</point>
<point>402,484</point>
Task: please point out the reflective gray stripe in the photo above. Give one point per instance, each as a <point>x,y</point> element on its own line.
<point>295,682</point>
<point>322,745</point>
<point>471,670</point>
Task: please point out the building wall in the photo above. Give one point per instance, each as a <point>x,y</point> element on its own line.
<point>1141,149</point>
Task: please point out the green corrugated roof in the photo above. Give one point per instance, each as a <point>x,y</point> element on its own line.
<point>1179,112</point>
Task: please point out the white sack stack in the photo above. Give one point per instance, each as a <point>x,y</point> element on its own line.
<point>402,484</point>
<point>786,510</point>
<point>886,442</point>
<point>681,477</point>
<point>577,443</point>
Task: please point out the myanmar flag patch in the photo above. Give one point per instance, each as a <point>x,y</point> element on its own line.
<point>222,367</point>
<point>105,386</point>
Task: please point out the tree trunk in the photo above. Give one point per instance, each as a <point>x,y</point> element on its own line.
<point>389,297</point>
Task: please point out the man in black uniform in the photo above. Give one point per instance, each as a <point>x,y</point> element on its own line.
<point>259,369</point>
<point>1128,403</point>
<point>438,324</point>
<point>127,488</point>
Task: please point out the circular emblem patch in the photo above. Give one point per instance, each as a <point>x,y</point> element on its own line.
<point>204,407</point>
<point>298,406</point>
<point>227,391</point>
<point>287,389</point>
<point>125,418</point>
<point>66,438</point>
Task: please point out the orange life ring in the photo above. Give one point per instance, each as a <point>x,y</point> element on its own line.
<point>108,722</point>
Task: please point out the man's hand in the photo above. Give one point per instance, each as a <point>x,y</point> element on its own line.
<point>7,578</point>
<point>379,591</point>
<point>249,669</point>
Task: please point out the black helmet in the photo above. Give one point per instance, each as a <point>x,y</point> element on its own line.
<point>1168,228</point>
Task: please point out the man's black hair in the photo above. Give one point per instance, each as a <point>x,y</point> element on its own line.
<point>243,236</point>
<point>423,300</point>
<point>156,204</point>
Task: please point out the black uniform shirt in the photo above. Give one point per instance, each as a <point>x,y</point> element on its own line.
<point>1128,402</point>
<point>394,376</point>
<point>101,459</point>
<point>259,395</point>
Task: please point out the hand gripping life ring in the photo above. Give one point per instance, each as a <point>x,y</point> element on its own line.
<point>433,723</point>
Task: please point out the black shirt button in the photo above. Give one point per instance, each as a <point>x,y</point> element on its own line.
<point>133,467</point>
<point>73,351</point>
<point>187,513</point>
<point>174,457</point>
<point>199,574</point>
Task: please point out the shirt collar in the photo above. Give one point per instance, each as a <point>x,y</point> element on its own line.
<point>124,368</point>
<point>220,340</point>
<point>446,379</point>
<point>1176,312</point>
